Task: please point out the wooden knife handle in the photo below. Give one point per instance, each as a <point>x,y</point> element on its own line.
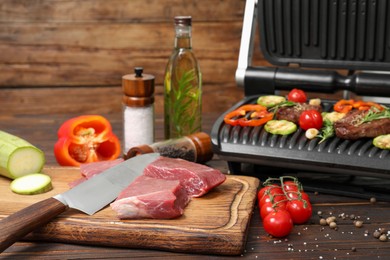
<point>16,226</point>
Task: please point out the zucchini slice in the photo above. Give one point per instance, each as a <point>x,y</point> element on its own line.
<point>270,100</point>
<point>280,127</point>
<point>382,142</point>
<point>31,184</point>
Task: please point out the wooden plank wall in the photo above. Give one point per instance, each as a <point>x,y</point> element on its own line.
<point>68,56</point>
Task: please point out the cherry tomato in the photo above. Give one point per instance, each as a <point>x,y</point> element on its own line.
<point>268,208</point>
<point>271,189</point>
<point>299,210</point>
<point>297,95</point>
<point>310,119</point>
<point>271,198</point>
<point>278,223</point>
<point>291,186</point>
<point>298,195</point>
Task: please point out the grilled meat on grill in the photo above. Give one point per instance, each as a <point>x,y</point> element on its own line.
<point>294,112</point>
<point>351,128</point>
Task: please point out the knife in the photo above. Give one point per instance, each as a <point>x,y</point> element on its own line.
<point>89,197</point>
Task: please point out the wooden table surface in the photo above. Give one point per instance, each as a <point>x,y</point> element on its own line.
<point>308,241</point>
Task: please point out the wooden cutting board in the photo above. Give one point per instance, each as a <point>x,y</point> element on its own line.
<point>216,223</point>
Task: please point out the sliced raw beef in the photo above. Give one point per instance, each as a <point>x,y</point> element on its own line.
<point>148,197</point>
<point>89,170</point>
<point>197,179</point>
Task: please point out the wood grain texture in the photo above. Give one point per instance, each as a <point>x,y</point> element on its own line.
<point>214,224</point>
<point>95,42</point>
<point>16,226</point>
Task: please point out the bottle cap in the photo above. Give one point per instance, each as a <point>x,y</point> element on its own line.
<point>138,84</point>
<point>183,20</point>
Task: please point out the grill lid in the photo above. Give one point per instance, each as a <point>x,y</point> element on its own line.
<point>343,34</point>
<point>333,34</point>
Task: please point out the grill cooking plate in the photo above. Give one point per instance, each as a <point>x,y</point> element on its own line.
<point>334,155</point>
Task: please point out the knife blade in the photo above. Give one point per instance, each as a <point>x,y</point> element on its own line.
<point>89,197</point>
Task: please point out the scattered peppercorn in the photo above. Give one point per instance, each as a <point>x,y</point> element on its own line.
<point>383,238</point>
<point>376,234</point>
<point>323,222</point>
<point>330,219</point>
<point>358,223</point>
<point>333,225</point>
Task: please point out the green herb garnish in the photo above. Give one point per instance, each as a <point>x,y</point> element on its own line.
<point>327,131</point>
<point>275,108</point>
<point>375,114</point>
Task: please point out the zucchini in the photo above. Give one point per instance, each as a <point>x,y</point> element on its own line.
<point>18,157</point>
<point>280,127</point>
<point>382,142</point>
<point>270,100</point>
<point>31,184</point>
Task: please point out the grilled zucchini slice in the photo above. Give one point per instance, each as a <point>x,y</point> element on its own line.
<point>270,100</point>
<point>382,142</point>
<point>280,127</point>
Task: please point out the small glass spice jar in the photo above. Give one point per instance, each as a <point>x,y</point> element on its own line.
<point>138,109</point>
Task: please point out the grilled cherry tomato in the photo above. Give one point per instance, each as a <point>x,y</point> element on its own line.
<point>278,223</point>
<point>310,119</point>
<point>297,95</point>
<point>300,210</point>
<point>85,139</point>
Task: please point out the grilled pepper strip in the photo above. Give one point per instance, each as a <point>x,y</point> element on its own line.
<point>258,115</point>
<point>344,105</point>
<point>86,139</point>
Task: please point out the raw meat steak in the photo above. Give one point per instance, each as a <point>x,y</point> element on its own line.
<point>89,170</point>
<point>197,179</point>
<point>148,197</point>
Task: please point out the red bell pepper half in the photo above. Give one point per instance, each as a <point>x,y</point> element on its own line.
<point>85,139</point>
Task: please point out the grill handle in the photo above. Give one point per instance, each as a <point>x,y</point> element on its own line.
<point>266,80</point>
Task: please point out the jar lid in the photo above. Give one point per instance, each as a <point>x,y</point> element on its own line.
<point>138,84</point>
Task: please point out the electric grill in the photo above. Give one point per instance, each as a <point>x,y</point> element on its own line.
<point>309,43</point>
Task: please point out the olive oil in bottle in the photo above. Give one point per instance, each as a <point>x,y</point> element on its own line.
<point>182,85</point>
